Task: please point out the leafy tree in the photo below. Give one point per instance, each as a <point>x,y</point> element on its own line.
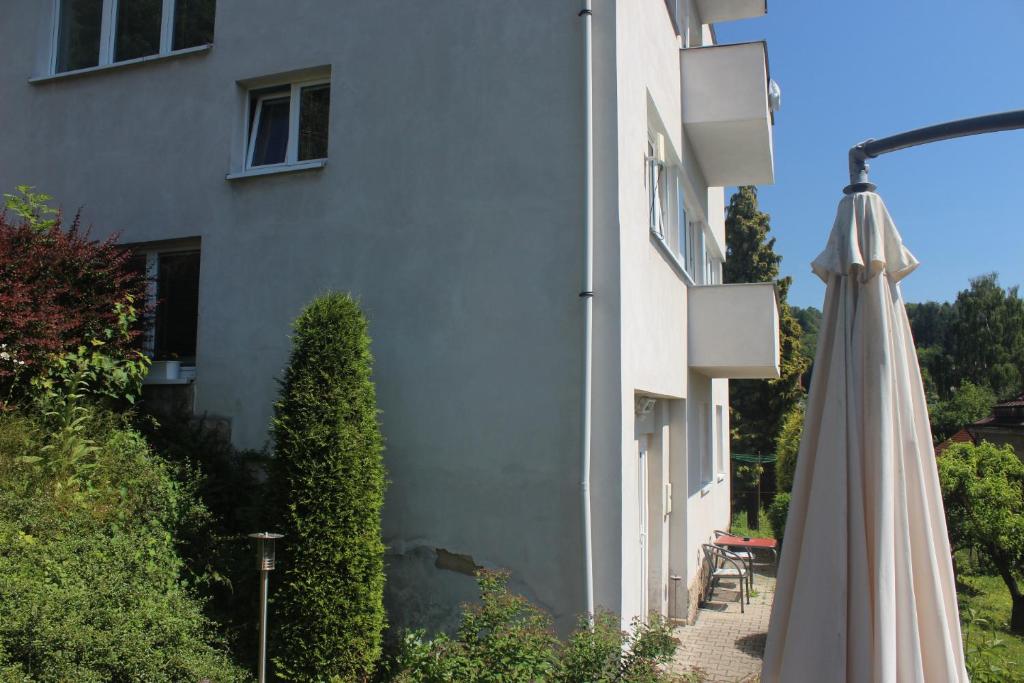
<point>787,446</point>
<point>760,406</point>
<point>987,335</point>
<point>983,493</point>
<point>810,322</point>
<point>930,322</point>
<point>968,404</point>
<point>326,436</point>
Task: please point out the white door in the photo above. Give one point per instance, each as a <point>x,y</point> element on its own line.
<point>641,479</point>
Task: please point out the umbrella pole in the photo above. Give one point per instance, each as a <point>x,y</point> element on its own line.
<point>871,148</point>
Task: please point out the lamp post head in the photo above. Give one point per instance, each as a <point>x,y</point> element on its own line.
<point>265,549</point>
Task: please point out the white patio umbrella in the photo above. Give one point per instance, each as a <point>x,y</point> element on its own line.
<point>865,586</point>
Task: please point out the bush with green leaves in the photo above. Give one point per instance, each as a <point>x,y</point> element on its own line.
<point>237,499</point>
<point>91,582</point>
<point>777,513</point>
<point>985,651</point>
<point>330,611</point>
<point>787,445</point>
<point>506,639</point>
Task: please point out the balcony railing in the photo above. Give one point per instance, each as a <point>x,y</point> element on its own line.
<point>726,114</point>
<point>734,330</point>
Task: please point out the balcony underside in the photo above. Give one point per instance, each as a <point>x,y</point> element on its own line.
<point>717,11</point>
<point>725,112</point>
<point>734,331</point>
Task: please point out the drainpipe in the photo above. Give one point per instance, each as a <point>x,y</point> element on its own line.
<point>587,295</point>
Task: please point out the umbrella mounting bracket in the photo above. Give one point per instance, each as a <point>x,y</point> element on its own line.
<point>871,148</point>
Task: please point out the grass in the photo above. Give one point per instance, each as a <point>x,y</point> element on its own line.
<point>986,599</point>
<point>740,528</point>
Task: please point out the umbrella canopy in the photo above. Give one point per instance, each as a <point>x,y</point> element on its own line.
<point>865,586</point>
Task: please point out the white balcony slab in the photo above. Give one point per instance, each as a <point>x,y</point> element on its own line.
<point>717,11</point>
<point>725,112</point>
<point>734,330</point>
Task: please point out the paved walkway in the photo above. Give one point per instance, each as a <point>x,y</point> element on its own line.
<point>724,645</point>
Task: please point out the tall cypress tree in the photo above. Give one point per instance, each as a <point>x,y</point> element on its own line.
<point>328,443</point>
<point>759,407</point>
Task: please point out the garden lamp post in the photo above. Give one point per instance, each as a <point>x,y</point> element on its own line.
<point>265,564</point>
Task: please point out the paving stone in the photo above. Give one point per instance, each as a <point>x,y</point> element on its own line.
<point>724,643</point>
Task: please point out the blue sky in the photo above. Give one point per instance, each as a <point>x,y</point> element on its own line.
<point>856,70</point>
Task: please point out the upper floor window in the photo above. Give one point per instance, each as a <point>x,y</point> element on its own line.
<point>99,32</point>
<point>288,124</point>
<point>655,181</point>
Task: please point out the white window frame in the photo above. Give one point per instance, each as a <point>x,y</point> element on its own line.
<point>152,254</point>
<point>682,222</point>
<point>707,446</point>
<point>654,178</point>
<point>720,440</point>
<point>108,28</point>
<point>291,155</point>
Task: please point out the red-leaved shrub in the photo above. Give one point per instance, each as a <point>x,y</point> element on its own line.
<point>59,290</point>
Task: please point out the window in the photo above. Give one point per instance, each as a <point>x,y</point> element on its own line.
<point>720,439</point>
<point>707,445</point>
<point>682,227</point>
<point>711,267</point>
<point>693,233</point>
<point>100,32</point>
<point>173,297</point>
<point>655,181</point>
<point>288,124</point>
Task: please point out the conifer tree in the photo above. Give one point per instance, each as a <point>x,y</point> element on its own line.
<point>328,442</point>
<point>759,407</point>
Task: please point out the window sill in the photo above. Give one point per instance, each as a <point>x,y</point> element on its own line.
<point>673,260</point>
<point>121,65</point>
<point>277,168</point>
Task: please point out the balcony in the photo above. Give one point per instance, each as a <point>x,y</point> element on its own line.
<point>734,330</point>
<point>715,11</point>
<point>725,112</point>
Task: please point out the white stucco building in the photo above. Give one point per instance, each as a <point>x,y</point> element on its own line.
<point>430,158</point>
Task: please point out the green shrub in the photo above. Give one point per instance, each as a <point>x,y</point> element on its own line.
<point>777,513</point>
<point>787,445</point>
<point>506,639</point>
<point>90,579</point>
<point>326,437</point>
<point>236,500</point>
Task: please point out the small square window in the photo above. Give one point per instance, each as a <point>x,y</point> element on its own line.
<point>289,124</point>
<point>270,132</point>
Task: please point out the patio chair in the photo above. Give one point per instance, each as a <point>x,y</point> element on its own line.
<point>724,564</point>
<point>745,555</point>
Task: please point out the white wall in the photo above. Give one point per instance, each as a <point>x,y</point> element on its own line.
<point>451,205</point>
<point>654,296</point>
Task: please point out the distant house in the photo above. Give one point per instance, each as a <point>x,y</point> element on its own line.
<point>963,436</point>
<point>1004,426</point>
<point>430,158</point>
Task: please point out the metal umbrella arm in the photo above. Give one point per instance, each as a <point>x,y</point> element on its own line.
<point>869,149</point>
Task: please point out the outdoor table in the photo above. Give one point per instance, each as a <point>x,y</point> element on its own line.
<point>751,544</point>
